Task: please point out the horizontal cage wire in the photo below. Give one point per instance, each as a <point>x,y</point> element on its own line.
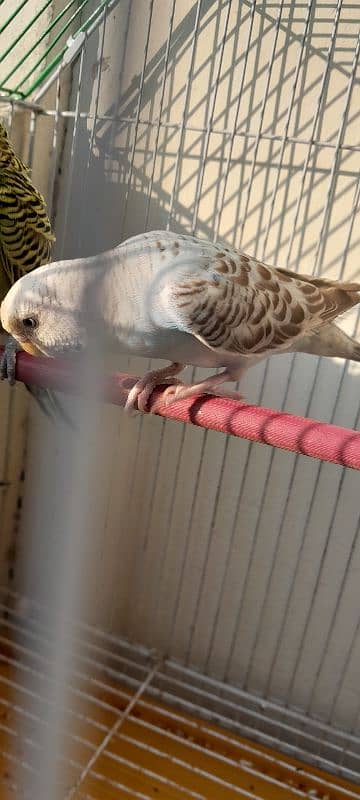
<point>136,710</point>
<point>225,639</point>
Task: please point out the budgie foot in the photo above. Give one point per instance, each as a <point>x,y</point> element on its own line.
<point>8,361</point>
<point>211,385</point>
<point>139,395</point>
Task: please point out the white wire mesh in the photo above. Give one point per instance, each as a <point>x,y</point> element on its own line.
<point>115,681</point>
<point>236,121</point>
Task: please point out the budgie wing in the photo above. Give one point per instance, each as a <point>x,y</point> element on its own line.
<point>25,230</point>
<point>25,243</point>
<point>240,306</point>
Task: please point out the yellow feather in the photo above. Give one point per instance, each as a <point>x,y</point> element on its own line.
<point>25,230</point>
<point>25,237</point>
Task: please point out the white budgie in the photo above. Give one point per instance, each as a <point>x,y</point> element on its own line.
<point>169,296</point>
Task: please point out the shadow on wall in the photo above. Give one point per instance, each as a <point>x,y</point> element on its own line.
<point>153,143</point>
<point>161,147</point>
<point>204,521</point>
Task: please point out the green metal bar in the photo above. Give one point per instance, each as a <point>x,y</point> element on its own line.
<point>56,60</point>
<point>58,57</point>
<point>83,28</point>
<point>11,92</point>
<point>26,29</point>
<point>52,45</point>
<point>43,36</point>
<point>45,72</point>
<point>12,16</point>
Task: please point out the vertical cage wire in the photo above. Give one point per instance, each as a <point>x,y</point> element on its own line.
<point>228,594</point>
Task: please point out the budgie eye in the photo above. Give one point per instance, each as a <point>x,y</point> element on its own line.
<point>29,322</point>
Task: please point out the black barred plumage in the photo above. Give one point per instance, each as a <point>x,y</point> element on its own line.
<point>25,239</point>
<point>25,230</point>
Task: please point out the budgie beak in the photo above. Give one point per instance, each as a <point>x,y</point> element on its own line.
<point>31,349</point>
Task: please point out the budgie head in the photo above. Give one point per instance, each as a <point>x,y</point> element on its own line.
<point>40,313</point>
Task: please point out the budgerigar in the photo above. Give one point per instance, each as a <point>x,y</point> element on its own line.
<point>25,243</point>
<point>170,296</point>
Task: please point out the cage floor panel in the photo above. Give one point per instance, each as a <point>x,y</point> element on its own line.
<point>121,743</point>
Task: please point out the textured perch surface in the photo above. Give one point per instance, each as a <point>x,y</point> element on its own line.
<point>266,426</point>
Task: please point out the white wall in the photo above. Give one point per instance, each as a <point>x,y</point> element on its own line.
<point>240,560</point>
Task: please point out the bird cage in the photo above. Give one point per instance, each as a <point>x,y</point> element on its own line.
<point>213,648</point>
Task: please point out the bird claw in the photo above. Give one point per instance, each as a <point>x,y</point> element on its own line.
<point>176,393</point>
<point>229,394</point>
<point>141,392</point>
<point>171,394</point>
<point>8,362</point>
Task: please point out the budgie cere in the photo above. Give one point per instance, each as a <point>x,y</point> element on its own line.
<point>25,242</point>
<point>179,298</point>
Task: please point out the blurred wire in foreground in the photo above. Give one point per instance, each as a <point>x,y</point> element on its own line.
<point>64,499</point>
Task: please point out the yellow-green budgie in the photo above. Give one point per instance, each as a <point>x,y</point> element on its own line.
<point>25,243</point>
<point>25,230</point>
